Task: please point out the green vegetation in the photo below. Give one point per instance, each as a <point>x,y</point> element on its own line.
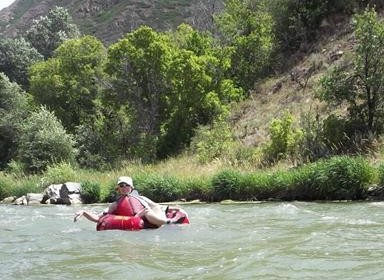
<point>90,192</point>
<point>48,32</point>
<point>338,178</point>
<point>43,141</point>
<point>90,113</point>
<point>16,56</point>
<point>361,86</point>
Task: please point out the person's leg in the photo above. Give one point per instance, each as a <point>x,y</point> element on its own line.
<point>153,217</point>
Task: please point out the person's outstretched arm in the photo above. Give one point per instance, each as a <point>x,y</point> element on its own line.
<point>90,216</point>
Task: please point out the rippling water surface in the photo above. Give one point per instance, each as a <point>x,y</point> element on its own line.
<point>247,241</point>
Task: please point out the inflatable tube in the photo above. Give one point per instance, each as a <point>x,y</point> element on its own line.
<point>123,218</point>
<point>111,221</point>
<point>133,223</point>
<point>177,216</point>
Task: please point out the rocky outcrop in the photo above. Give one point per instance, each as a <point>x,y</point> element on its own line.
<point>67,193</point>
<point>108,20</point>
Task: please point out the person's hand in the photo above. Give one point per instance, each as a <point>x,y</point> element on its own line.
<point>78,215</point>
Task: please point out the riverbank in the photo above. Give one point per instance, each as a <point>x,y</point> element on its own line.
<point>337,178</point>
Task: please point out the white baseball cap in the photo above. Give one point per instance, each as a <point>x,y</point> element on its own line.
<point>125,179</point>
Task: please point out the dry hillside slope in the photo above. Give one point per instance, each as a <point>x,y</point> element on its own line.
<point>108,20</point>
<point>294,90</point>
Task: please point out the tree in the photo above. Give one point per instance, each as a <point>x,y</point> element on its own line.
<point>14,108</point>
<point>44,141</point>
<point>139,63</point>
<point>361,87</point>
<point>16,56</point>
<point>199,91</point>
<point>48,32</point>
<point>69,82</point>
<point>170,83</point>
<point>247,27</point>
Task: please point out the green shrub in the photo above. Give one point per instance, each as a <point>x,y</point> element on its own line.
<point>59,173</point>
<point>109,194</point>
<point>234,185</point>
<point>44,141</point>
<point>26,186</point>
<point>159,188</point>
<point>226,185</point>
<point>14,109</point>
<point>380,171</point>
<point>338,178</point>
<point>196,188</point>
<point>6,185</point>
<point>15,169</point>
<point>90,192</point>
<point>284,138</point>
<point>211,142</point>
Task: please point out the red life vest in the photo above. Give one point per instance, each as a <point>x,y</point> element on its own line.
<point>128,205</point>
<point>124,216</point>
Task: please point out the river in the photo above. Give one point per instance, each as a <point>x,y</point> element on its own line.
<point>271,240</point>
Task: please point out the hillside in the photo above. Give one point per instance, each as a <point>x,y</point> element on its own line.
<point>294,89</point>
<point>291,89</point>
<point>108,20</point>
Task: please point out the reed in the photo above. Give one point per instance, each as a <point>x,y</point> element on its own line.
<point>337,178</point>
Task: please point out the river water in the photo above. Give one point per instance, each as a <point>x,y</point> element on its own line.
<point>295,240</point>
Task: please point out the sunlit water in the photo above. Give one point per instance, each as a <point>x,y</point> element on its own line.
<point>248,241</point>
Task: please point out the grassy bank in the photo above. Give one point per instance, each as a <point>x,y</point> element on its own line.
<point>338,178</point>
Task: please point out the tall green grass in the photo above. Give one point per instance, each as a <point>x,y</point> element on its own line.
<point>337,178</point>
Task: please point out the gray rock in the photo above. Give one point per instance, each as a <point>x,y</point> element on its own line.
<point>21,200</point>
<point>72,187</point>
<point>67,193</point>
<point>8,200</point>
<point>34,198</point>
<point>75,198</point>
<point>52,194</point>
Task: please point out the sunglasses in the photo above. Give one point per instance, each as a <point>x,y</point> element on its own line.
<point>124,185</point>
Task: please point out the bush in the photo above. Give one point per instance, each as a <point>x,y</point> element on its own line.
<point>227,185</point>
<point>59,173</point>
<point>44,141</point>
<point>211,142</point>
<point>14,109</point>
<point>196,188</point>
<point>14,186</point>
<point>234,185</point>
<point>159,188</point>
<point>109,193</point>
<point>6,186</point>
<point>339,178</point>
<point>380,171</point>
<point>313,146</point>
<point>90,192</point>
<point>27,186</point>
<point>284,139</point>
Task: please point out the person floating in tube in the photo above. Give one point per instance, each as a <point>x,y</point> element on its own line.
<point>151,212</point>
